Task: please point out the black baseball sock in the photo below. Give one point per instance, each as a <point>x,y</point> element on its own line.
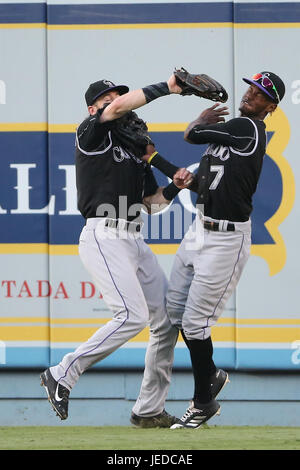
<point>212,364</point>
<point>203,366</point>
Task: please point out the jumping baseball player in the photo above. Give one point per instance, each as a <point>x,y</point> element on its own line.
<point>206,269</point>
<point>113,183</point>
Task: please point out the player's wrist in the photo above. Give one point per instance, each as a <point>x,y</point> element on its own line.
<point>163,165</point>
<point>149,158</point>
<point>152,92</point>
<point>170,191</point>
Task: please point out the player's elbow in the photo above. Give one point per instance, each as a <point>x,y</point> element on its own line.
<point>146,206</point>
<point>186,136</point>
<point>117,106</point>
<point>115,109</point>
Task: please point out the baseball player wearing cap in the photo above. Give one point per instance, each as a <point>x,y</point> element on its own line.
<point>113,183</point>
<point>207,268</point>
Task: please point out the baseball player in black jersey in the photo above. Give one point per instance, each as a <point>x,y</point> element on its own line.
<point>207,266</point>
<point>113,183</point>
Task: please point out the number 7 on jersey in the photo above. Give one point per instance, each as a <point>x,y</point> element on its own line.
<point>219,169</point>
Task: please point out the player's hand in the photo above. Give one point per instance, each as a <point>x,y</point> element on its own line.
<point>183,178</point>
<point>173,87</point>
<point>150,149</point>
<point>213,115</point>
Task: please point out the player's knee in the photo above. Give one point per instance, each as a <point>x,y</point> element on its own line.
<point>175,313</point>
<point>193,331</point>
<point>141,322</point>
<point>175,302</point>
<point>140,326</point>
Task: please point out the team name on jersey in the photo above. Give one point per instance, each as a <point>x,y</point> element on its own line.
<point>219,151</point>
<point>119,154</point>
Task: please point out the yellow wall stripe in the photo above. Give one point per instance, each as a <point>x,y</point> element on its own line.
<point>62,128</point>
<point>52,27</point>
<point>23,248</point>
<point>22,25</point>
<point>164,249</point>
<point>167,126</point>
<point>23,127</point>
<point>25,333</point>
<point>71,250</point>
<point>24,320</point>
<point>63,250</point>
<point>267,335</point>
<point>265,25</point>
<point>71,128</point>
<point>89,320</point>
<point>219,333</point>
<point>140,26</point>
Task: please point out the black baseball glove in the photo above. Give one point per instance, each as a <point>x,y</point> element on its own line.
<point>132,133</point>
<point>200,85</point>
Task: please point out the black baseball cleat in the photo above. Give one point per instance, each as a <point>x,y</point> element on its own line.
<point>58,395</point>
<point>218,382</point>
<point>162,420</point>
<point>194,417</point>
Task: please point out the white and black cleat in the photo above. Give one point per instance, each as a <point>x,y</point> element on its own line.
<point>193,418</point>
<point>58,395</point>
<point>218,382</point>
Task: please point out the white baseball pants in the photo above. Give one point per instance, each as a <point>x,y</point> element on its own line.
<point>134,288</point>
<point>205,273</point>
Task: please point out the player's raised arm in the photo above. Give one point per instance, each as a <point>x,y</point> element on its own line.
<point>137,98</point>
<point>180,82</point>
<point>213,115</point>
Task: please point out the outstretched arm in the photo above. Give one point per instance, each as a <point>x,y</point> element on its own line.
<point>152,157</point>
<point>184,178</point>
<point>164,195</point>
<point>157,198</point>
<point>137,98</point>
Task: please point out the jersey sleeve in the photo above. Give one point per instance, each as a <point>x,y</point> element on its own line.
<point>150,183</point>
<point>92,133</point>
<point>239,133</point>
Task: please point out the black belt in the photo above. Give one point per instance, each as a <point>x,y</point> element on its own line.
<point>215,226</point>
<point>125,225</point>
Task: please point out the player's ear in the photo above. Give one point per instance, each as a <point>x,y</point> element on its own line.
<point>92,110</point>
<point>271,108</point>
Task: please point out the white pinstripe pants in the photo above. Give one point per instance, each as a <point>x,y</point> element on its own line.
<point>203,277</point>
<point>134,287</point>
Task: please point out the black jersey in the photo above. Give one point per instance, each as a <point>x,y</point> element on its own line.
<point>110,180</point>
<point>230,167</point>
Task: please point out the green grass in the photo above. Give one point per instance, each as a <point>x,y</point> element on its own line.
<point>129,438</point>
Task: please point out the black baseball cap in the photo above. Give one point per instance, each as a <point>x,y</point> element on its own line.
<point>269,83</point>
<point>97,89</point>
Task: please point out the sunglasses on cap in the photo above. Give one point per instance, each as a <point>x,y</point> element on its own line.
<point>266,83</point>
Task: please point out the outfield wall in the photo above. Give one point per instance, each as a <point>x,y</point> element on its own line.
<point>106,398</point>
<point>50,52</point>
